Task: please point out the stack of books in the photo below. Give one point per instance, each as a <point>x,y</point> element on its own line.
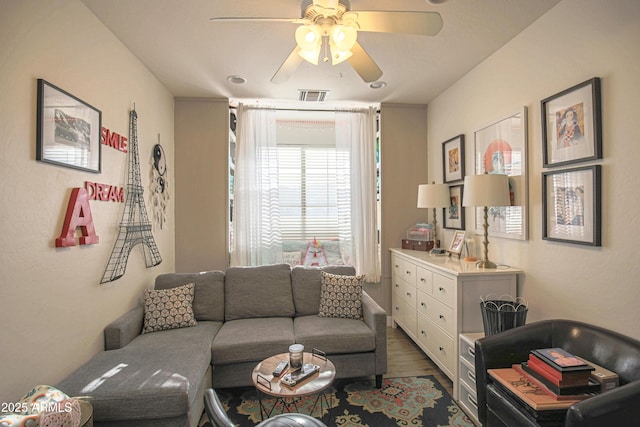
<point>551,381</point>
<point>560,372</point>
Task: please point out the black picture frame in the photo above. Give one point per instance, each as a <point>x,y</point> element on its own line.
<point>571,205</point>
<point>454,215</point>
<point>68,130</point>
<point>453,159</point>
<point>572,125</point>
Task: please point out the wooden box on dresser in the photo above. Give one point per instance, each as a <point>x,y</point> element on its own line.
<point>437,298</point>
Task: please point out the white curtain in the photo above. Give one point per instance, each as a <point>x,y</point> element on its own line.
<point>356,144</point>
<point>256,223</point>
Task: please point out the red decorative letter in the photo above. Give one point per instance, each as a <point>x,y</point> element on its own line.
<point>78,215</point>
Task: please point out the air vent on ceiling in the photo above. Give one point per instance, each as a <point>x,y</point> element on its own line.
<point>307,95</point>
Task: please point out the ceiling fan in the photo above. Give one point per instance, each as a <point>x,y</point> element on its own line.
<point>330,28</point>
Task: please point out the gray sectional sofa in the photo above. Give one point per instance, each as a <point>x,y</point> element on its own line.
<point>244,315</point>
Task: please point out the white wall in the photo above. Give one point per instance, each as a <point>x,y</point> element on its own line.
<point>202,170</point>
<point>403,166</point>
<point>53,307</point>
<point>576,40</point>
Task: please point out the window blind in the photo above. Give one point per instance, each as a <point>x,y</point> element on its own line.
<point>308,192</point>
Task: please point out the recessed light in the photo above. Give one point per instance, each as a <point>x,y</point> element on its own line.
<point>238,80</point>
<point>436,2</point>
<point>377,85</point>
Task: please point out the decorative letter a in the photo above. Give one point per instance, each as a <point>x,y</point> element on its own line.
<point>78,215</point>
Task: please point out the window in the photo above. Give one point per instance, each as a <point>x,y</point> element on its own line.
<point>299,176</point>
<point>308,193</point>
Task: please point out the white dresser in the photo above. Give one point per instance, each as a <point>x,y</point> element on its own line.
<point>437,298</point>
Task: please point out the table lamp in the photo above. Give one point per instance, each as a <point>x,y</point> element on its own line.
<point>486,190</point>
<point>434,196</point>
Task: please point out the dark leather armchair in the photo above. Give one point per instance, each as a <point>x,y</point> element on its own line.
<point>218,416</point>
<point>611,350</point>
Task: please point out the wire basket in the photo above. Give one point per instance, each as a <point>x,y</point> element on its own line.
<point>503,313</point>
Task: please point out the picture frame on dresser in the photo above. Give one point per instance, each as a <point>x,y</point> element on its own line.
<point>454,214</point>
<point>572,125</point>
<point>571,205</point>
<point>453,159</point>
<point>68,130</point>
<point>456,243</point>
<point>501,148</point>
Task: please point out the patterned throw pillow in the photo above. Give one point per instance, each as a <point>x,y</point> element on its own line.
<point>168,308</point>
<point>341,296</point>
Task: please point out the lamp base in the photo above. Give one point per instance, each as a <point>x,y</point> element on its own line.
<point>485,263</point>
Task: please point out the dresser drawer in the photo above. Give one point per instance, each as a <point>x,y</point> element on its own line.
<point>405,315</point>
<point>409,272</point>
<point>468,401</point>
<point>468,350</point>
<point>405,292</point>
<point>439,344</point>
<point>397,264</point>
<point>467,374</point>
<point>423,303</point>
<point>441,315</point>
<point>444,289</point>
<point>424,280</point>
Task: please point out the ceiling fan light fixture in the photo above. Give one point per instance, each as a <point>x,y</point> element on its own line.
<point>343,36</point>
<point>338,56</point>
<point>309,40</point>
<point>308,37</point>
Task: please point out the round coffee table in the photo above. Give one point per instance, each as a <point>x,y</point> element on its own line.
<point>287,397</point>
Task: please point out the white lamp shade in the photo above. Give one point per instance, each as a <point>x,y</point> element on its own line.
<point>434,196</point>
<point>309,39</point>
<point>486,190</point>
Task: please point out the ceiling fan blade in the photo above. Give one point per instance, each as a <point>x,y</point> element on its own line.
<point>404,22</point>
<point>288,67</point>
<point>258,19</point>
<point>364,64</point>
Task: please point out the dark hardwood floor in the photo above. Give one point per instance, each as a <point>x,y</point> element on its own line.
<point>404,358</point>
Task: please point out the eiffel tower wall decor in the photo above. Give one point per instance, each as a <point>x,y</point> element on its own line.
<point>135,227</point>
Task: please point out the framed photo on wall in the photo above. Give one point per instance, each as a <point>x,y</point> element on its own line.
<point>571,205</point>
<point>572,125</point>
<point>501,148</point>
<point>454,214</point>
<point>453,159</point>
<point>68,130</point>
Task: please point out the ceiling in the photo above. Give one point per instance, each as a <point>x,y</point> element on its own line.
<point>192,56</point>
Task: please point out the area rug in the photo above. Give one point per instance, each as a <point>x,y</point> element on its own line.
<point>409,401</point>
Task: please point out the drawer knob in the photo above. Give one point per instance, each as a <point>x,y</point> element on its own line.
<point>397,286</point>
<point>423,333</point>
<point>441,289</point>
<point>397,308</point>
<point>441,348</point>
<point>423,304</point>
<point>408,294</point>
<point>409,272</point>
<point>441,317</point>
<point>422,279</point>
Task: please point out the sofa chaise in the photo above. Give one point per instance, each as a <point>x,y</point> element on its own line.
<point>243,316</point>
